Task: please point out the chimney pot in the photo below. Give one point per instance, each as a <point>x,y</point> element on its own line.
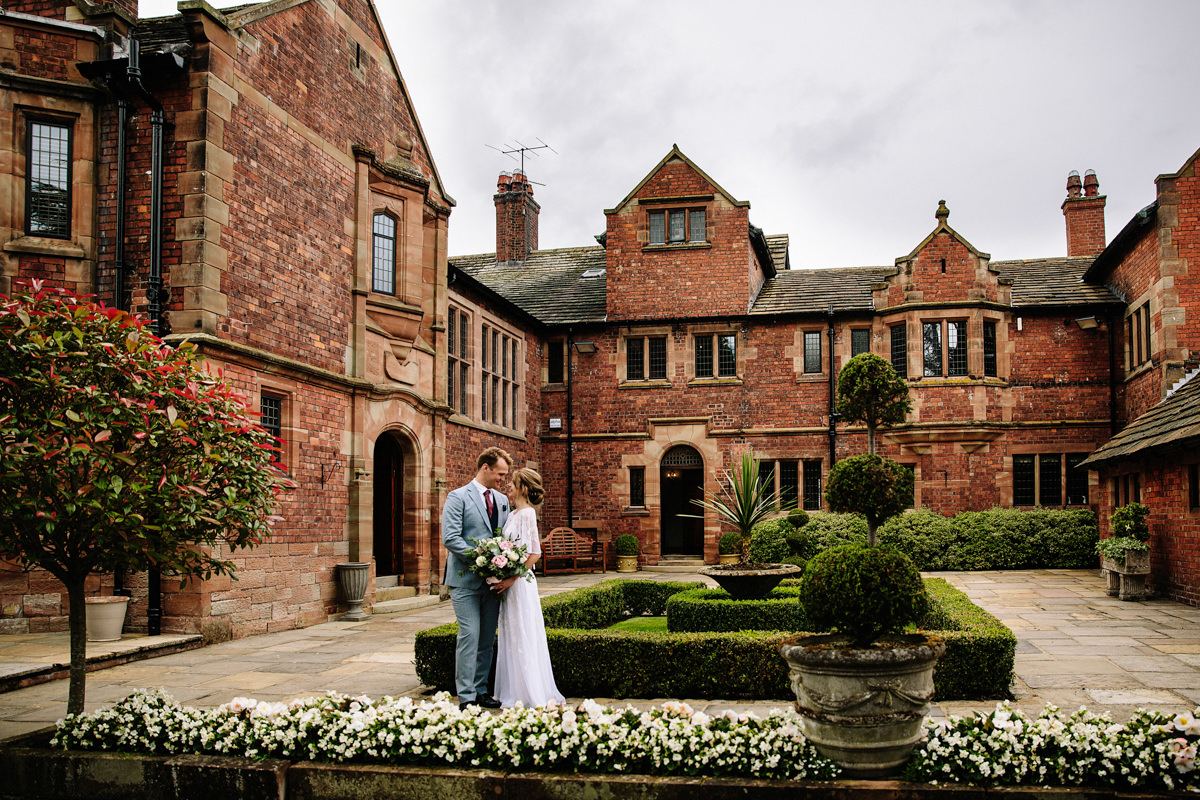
<point>1091,184</point>
<point>1074,184</point>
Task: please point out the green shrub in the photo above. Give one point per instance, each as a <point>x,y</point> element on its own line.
<point>768,547</point>
<point>863,592</point>
<point>799,561</point>
<point>729,544</point>
<point>626,545</point>
<point>924,536</point>
<point>825,530</point>
<point>714,610</point>
<point>797,518</point>
<point>870,485</point>
<point>601,663</point>
<point>1131,520</point>
<point>1011,538</point>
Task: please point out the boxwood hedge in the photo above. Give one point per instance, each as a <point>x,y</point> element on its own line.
<point>590,661</point>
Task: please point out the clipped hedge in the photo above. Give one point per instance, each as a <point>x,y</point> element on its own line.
<point>699,610</point>
<point>590,661</point>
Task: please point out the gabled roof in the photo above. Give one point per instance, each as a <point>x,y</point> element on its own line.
<point>1141,224</point>
<point>810,291</point>
<point>1053,282</point>
<point>676,153</point>
<point>1170,427</point>
<point>942,214</point>
<point>549,286</point>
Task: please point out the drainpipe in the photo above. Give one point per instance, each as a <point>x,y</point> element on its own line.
<point>570,446</point>
<point>832,395</point>
<point>119,245</point>
<point>1112,376</point>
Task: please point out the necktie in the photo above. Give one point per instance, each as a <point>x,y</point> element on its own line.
<point>491,507</point>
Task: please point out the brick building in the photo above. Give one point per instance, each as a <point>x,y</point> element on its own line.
<point>255,180</point>
<point>683,338</point>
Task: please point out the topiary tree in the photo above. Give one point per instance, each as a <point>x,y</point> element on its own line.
<point>870,392</point>
<point>118,452</point>
<point>870,485</point>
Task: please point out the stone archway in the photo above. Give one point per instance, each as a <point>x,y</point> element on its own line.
<point>394,529</point>
<point>681,480</point>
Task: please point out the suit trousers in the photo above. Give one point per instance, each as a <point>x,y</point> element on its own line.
<point>477,611</point>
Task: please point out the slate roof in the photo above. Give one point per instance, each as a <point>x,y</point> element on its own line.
<point>1170,427</point>
<point>1053,282</point>
<point>549,285</point>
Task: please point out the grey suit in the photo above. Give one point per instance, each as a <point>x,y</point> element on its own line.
<point>476,607</point>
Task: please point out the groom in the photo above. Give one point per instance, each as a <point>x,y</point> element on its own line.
<point>474,512</point>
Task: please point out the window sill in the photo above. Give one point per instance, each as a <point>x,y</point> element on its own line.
<point>60,248</point>
<point>698,382</point>
<point>957,380</point>
<point>554,387</point>
<point>1139,370</point>
<point>811,377</point>
<point>635,511</point>
<point>467,422</point>
<point>676,246</point>
<point>653,384</point>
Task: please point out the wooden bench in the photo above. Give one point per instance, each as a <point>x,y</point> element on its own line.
<point>565,544</point>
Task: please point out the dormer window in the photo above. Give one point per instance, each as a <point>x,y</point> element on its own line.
<point>677,226</point>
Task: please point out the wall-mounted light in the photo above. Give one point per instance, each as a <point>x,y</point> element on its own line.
<point>585,347</point>
<point>1087,323</point>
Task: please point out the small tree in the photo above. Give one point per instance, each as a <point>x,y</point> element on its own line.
<point>870,392</point>
<point>118,452</point>
<point>867,484</point>
<point>746,501</point>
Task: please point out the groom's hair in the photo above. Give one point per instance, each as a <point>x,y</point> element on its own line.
<point>491,456</point>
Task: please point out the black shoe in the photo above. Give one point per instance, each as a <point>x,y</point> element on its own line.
<point>487,701</point>
<point>463,706</point>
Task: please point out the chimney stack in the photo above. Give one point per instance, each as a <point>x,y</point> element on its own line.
<point>1084,212</point>
<point>516,217</point>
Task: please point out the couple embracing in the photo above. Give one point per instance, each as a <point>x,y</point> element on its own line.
<point>505,616</point>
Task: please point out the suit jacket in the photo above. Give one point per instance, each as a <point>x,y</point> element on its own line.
<point>465,522</point>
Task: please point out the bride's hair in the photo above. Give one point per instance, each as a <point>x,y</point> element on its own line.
<point>530,484</point>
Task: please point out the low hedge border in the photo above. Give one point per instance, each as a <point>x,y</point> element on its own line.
<point>713,610</point>
<point>590,661</point>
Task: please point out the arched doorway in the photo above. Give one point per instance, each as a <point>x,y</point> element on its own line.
<point>388,527</point>
<point>681,480</point>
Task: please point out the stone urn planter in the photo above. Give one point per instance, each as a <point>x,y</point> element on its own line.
<point>1126,576</point>
<point>863,707</point>
<point>627,563</point>
<point>105,617</point>
<point>728,558</point>
<point>352,583</point>
<point>751,581</point>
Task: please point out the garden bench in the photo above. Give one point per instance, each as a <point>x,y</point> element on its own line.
<point>567,545</point>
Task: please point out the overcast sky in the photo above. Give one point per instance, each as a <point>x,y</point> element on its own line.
<point>843,124</point>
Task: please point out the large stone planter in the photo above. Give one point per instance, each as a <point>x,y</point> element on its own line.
<point>627,563</point>
<point>105,617</point>
<point>863,707</point>
<point>1126,576</point>
<point>352,583</point>
<point>749,584</point>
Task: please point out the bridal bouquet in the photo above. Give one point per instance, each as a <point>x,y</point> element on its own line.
<point>498,558</point>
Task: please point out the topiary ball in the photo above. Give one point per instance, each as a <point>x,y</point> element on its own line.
<point>797,517</point>
<point>863,592</point>
<point>626,545</point>
<point>768,547</point>
<point>729,544</point>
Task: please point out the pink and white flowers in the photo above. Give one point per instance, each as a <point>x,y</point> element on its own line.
<point>498,558</point>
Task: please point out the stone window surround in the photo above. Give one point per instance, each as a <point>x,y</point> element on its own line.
<point>1061,450</point>
<point>284,389</point>
<point>478,318</point>
<point>391,207</point>
<point>711,330</point>
<point>684,203</point>
<point>973,317</point>
<point>1141,311</point>
<point>627,333</point>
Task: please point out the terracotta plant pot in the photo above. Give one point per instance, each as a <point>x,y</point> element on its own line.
<point>105,617</point>
<point>728,558</point>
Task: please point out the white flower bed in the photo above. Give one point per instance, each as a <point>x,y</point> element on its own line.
<point>1152,750</point>
<point>670,739</point>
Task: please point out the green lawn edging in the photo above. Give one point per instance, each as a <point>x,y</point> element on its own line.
<point>590,661</point>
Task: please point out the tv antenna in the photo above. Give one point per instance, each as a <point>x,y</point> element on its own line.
<point>512,151</point>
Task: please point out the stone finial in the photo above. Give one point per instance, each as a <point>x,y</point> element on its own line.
<point>943,213</point>
<point>1074,185</point>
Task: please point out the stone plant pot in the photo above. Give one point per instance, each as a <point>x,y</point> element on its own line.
<point>728,558</point>
<point>627,563</point>
<point>749,584</point>
<point>352,583</point>
<point>1126,577</point>
<point>104,617</point>
<point>863,707</point>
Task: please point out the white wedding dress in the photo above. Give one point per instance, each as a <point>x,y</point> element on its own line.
<point>523,672</point>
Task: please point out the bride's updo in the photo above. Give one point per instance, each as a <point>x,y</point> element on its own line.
<point>529,483</point>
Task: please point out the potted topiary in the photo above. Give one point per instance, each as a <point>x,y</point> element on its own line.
<point>626,547</point>
<point>745,501</point>
<point>863,690</point>
<point>729,548</point>
<point>1125,555</point>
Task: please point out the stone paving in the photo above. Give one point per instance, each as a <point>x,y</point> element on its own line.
<point>1076,647</point>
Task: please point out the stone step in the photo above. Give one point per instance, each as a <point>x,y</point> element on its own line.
<point>385,593</point>
<point>405,605</point>
<point>676,564</point>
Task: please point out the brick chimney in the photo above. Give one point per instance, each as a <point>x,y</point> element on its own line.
<point>516,217</point>
<point>1084,210</point>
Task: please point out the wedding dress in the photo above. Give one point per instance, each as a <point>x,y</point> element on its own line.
<point>523,672</point>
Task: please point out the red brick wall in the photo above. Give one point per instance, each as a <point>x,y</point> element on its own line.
<point>1085,225</point>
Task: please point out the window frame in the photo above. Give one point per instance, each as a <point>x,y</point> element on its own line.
<point>858,348</point>
<point>273,422</point>
<point>898,352</point>
<point>717,364</point>
<point>458,338</point>
<point>392,259</point>
<point>953,361</point>
<point>640,349</point>
<point>1034,471</point>
<point>808,364</point>
<point>500,377</point>
<point>637,487</point>
<point>556,372</point>
<point>811,486</point>
<point>688,226</point>
<point>1138,337</point>
<point>31,122</point>
<point>991,364</point>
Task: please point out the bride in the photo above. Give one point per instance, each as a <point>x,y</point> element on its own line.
<point>523,673</point>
